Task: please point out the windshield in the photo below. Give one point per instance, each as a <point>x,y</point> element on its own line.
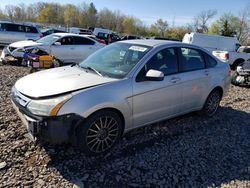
<point>116,60</point>
<point>50,39</point>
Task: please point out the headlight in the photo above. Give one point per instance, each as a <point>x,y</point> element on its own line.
<point>47,107</point>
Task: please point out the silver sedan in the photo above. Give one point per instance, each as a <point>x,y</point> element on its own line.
<point>120,87</point>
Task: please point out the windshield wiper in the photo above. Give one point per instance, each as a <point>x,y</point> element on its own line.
<point>94,70</point>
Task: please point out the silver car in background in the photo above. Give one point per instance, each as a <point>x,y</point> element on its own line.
<point>68,47</point>
<point>120,87</point>
<point>12,32</point>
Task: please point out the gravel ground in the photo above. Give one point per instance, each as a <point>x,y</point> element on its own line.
<point>189,151</point>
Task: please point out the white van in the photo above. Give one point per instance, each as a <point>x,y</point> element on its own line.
<point>212,42</point>
<point>224,48</point>
<point>101,30</point>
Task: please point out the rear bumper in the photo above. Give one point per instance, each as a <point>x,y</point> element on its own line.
<point>55,130</point>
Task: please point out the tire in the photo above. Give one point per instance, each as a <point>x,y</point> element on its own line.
<point>212,103</point>
<point>99,133</point>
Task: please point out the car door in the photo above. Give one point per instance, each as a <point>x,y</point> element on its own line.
<point>13,33</point>
<point>83,47</point>
<point>195,79</point>
<point>63,49</point>
<point>156,100</point>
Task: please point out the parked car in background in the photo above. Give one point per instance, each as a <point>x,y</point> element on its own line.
<point>81,31</point>
<point>67,47</point>
<point>46,32</point>
<point>95,38</point>
<point>163,38</point>
<point>225,48</point>
<point>12,32</point>
<point>130,37</point>
<point>101,30</point>
<point>234,58</point>
<point>241,75</point>
<point>108,38</point>
<point>212,42</point>
<point>123,86</point>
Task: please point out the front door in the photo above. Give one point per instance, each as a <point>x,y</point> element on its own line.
<point>156,100</point>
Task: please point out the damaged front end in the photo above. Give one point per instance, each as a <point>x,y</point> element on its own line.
<point>241,76</point>
<point>53,129</point>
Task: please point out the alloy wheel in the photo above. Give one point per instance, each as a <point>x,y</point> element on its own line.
<point>102,134</point>
<point>212,103</point>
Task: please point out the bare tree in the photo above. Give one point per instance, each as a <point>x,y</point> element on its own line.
<point>201,20</point>
<point>161,26</point>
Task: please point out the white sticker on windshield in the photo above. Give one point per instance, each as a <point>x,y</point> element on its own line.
<point>138,48</point>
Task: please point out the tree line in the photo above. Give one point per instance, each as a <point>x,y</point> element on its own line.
<point>86,15</point>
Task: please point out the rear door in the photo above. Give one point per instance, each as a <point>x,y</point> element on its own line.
<point>31,33</point>
<point>195,79</point>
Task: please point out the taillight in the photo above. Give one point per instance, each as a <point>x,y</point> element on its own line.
<point>226,55</point>
<point>102,41</point>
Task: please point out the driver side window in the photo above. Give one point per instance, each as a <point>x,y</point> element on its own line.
<point>165,61</point>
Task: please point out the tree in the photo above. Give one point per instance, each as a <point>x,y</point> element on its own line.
<point>91,15</point>
<point>176,33</point>
<point>9,9</point>
<point>70,15</point>
<point>161,26</point>
<point>214,29</point>
<point>201,20</point>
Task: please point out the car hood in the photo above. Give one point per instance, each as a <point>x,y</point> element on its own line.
<point>24,43</point>
<point>58,81</point>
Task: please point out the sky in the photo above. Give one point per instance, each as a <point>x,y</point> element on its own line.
<point>175,12</point>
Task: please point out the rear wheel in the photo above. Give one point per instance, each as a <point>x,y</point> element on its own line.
<point>99,133</point>
<point>212,103</point>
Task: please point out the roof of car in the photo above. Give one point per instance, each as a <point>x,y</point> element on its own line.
<point>65,34</point>
<point>149,42</point>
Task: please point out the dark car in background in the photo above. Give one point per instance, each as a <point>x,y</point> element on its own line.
<point>108,38</point>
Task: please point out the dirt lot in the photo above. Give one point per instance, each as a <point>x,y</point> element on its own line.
<point>189,151</point>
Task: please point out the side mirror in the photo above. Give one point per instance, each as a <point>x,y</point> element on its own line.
<point>57,43</point>
<point>154,75</point>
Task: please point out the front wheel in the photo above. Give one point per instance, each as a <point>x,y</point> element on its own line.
<point>99,133</point>
<point>212,103</point>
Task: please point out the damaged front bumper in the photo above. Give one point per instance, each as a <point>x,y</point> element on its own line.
<point>55,130</point>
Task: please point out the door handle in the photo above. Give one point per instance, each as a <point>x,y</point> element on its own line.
<point>72,48</point>
<point>175,79</point>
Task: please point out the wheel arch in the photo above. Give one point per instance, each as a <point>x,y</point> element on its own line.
<point>115,110</point>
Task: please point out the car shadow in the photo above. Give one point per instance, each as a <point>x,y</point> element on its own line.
<point>188,151</point>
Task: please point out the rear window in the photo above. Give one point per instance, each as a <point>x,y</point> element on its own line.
<point>211,62</point>
<point>191,59</point>
<point>83,41</point>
